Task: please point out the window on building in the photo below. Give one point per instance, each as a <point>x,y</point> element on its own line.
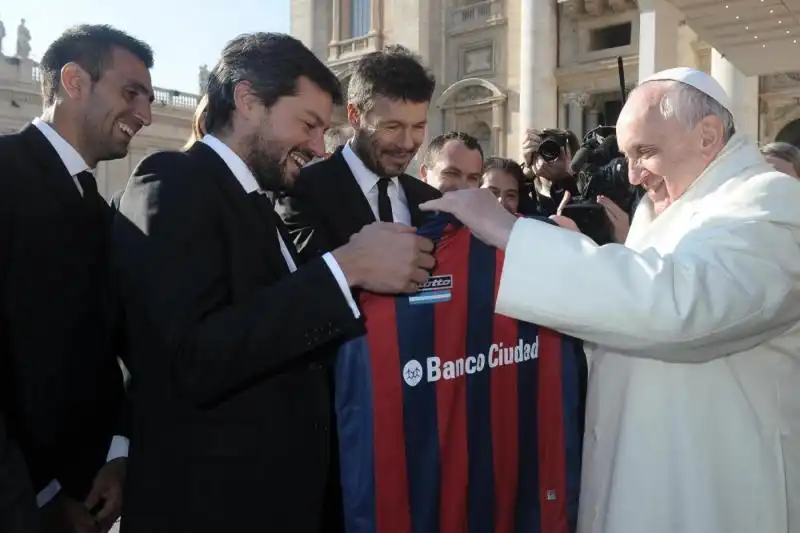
<point>359,18</point>
<point>611,109</point>
<point>610,37</point>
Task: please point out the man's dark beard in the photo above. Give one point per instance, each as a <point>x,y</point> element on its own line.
<point>361,144</point>
<point>266,167</point>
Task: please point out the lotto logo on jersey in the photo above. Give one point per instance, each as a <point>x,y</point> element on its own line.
<point>497,355</point>
<point>437,283</point>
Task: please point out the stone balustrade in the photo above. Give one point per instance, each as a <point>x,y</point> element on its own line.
<point>27,75</point>
<point>475,15</point>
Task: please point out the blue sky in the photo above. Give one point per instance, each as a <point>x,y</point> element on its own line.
<point>183,33</point>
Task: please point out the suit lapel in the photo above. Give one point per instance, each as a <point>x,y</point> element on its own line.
<point>287,239</point>
<point>411,198</point>
<point>349,198</point>
<point>417,192</point>
<point>255,220</point>
<point>57,180</point>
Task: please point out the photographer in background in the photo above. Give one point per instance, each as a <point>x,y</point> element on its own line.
<point>546,158</point>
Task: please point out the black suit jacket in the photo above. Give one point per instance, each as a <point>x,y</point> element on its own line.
<point>58,371</point>
<point>231,406</point>
<point>326,205</point>
<point>18,512</point>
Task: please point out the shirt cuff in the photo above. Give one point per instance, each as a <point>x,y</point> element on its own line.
<point>119,448</point>
<point>47,494</point>
<point>340,278</point>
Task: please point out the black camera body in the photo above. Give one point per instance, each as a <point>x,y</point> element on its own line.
<point>601,171</point>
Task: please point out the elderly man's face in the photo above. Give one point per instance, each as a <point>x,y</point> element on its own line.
<point>664,157</point>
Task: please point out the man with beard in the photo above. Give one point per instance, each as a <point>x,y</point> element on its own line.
<point>364,181</point>
<point>692,411</point>
<point>231,401</point>
<point>59,375</point>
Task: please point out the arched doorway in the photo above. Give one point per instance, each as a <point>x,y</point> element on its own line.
<point>790,133</point>
<point>482,132</point>
<point>475,103</point>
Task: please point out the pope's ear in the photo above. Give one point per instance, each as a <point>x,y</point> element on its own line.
<point>712,134</point>
<point>423,173</point>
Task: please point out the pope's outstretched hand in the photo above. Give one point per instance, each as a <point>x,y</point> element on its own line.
<point>479,210</point>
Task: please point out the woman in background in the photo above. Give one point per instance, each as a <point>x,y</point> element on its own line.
<point>504,177</point>
<point>198,123</point>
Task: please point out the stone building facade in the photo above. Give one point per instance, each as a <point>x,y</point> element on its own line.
<point>20,101</point>
<point>504,65</point>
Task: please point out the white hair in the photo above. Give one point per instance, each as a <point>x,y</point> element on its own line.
<point>689,105</point>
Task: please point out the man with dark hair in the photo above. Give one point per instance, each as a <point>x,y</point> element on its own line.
<point>549,170</point>
<point>453,161</point>
<point>60,374</point>
<point>233,420</point>
<point>387,106</point>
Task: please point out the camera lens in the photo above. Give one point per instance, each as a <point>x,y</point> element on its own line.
<point>550,150</point>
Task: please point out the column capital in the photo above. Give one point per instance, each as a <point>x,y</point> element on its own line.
<point>581,99</point>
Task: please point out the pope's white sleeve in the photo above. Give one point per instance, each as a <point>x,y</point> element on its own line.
<point>724,289</point>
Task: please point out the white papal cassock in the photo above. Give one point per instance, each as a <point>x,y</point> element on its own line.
<point>693,410</point>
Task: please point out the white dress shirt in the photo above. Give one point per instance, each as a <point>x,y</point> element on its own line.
<point>249,184</point>
<point>75,165</point>
<point>368,182</point>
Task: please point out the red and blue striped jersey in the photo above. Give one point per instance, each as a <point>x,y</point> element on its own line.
<point>452,419</point>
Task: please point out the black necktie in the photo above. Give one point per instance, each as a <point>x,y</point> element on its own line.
<point>88,184</point>
<point>384,204</point>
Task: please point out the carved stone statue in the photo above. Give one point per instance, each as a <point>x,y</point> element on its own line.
<point>203,78</point>
<point>23,41</point>
<point>2,36</point>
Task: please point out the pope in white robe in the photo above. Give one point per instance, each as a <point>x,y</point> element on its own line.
<point>693,408</point>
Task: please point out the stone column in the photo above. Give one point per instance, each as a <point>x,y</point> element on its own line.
<point>538,99</point>
<point>376,24</point>
<point>498,123</point>
<point>375,16</point>
<point>576,103</point>
<point>336,30</point>
<point>658,36</point>
<point>742,90</point>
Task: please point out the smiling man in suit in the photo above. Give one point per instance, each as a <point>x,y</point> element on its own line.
<point>58,354</point>
<point>231,402</point>
<point>387,106</point>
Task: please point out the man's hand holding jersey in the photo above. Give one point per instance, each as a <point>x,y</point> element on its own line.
<point>386,258</point>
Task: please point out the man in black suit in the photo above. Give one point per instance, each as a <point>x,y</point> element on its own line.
<point>364,181</point>
<point>63,384</point>
<point>231,401</point>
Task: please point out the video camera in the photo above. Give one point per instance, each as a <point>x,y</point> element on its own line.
<point>601,170</point>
